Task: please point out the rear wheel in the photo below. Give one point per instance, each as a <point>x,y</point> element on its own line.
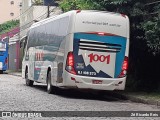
<point>50,88</point>
<point>28,82</point>
<point>1,71</point>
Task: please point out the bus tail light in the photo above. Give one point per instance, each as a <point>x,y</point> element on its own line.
<point>78,11</point>
<point>6,60</point>
<point>123,15</point>
<point>70,63</point>
<point>101,33</point>
<point>124,68</point>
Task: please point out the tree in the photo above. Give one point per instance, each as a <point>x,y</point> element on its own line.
<point>37,2</point>
<point>7,26</point>
<point>152,30</point>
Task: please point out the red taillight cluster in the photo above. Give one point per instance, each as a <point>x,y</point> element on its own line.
<point>78,11</point>
<point>70,59</point>
<point>70,63</point>
<point>125,64</point>
<point>123,15</point>
<point>6,60</point>
<point>124,68</point>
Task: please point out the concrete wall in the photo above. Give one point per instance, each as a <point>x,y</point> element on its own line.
<point>6,8</point>
<point>12,57</point>
<point>14,53</point>
<point>31,13</point>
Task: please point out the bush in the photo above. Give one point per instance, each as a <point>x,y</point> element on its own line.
<point>6,27</point>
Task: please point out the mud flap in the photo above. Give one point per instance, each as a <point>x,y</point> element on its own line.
<point>60,71</point>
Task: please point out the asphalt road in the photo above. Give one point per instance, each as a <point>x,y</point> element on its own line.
<point>16,96</point>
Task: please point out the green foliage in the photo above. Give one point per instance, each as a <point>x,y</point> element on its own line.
<point>37,2</point>
<point>152,35</point>
<point>5,27</point>
<point>67,5</point>
<point>152,31</point>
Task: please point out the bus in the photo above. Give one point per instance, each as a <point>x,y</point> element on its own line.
<point>3,56</point>
<point>81,49</point>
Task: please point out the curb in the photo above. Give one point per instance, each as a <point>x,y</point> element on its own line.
<point>14,74</point>
<point>136,99</point>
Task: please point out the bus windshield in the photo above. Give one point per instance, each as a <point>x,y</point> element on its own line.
<point>2,46</point>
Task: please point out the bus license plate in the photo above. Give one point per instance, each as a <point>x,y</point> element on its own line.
<point>97,81</point>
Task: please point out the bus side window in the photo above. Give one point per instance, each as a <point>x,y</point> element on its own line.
<point>63,27</point>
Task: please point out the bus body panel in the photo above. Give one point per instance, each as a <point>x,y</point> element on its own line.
<point>84,82</point>
<point>111,23</point>
<point>3,56</point>
<point>47,41</point>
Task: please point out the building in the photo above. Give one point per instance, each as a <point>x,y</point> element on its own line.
<point>31,12</point>
<point>9,9</point>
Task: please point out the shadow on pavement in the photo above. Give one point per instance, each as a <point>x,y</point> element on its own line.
<point>83,94</point>
<point>4,72</point>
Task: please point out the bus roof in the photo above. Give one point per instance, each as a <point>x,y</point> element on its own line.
<point>74,12</point>
<point>87,20</point>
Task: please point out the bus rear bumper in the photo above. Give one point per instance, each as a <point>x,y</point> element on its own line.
<point>100,83</point>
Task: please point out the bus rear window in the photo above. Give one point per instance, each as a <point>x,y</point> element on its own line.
<point>2,47</point>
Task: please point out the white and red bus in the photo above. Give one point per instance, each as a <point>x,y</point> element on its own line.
<point>78,49</point>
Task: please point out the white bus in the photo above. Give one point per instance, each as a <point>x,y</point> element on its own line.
<point>78,49</point>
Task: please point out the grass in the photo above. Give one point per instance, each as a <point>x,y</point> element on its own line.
<point>153,95</point>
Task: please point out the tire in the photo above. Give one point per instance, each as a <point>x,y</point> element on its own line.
<point>28,82</point>
<point>50,89</point>
<point>1,71</point>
